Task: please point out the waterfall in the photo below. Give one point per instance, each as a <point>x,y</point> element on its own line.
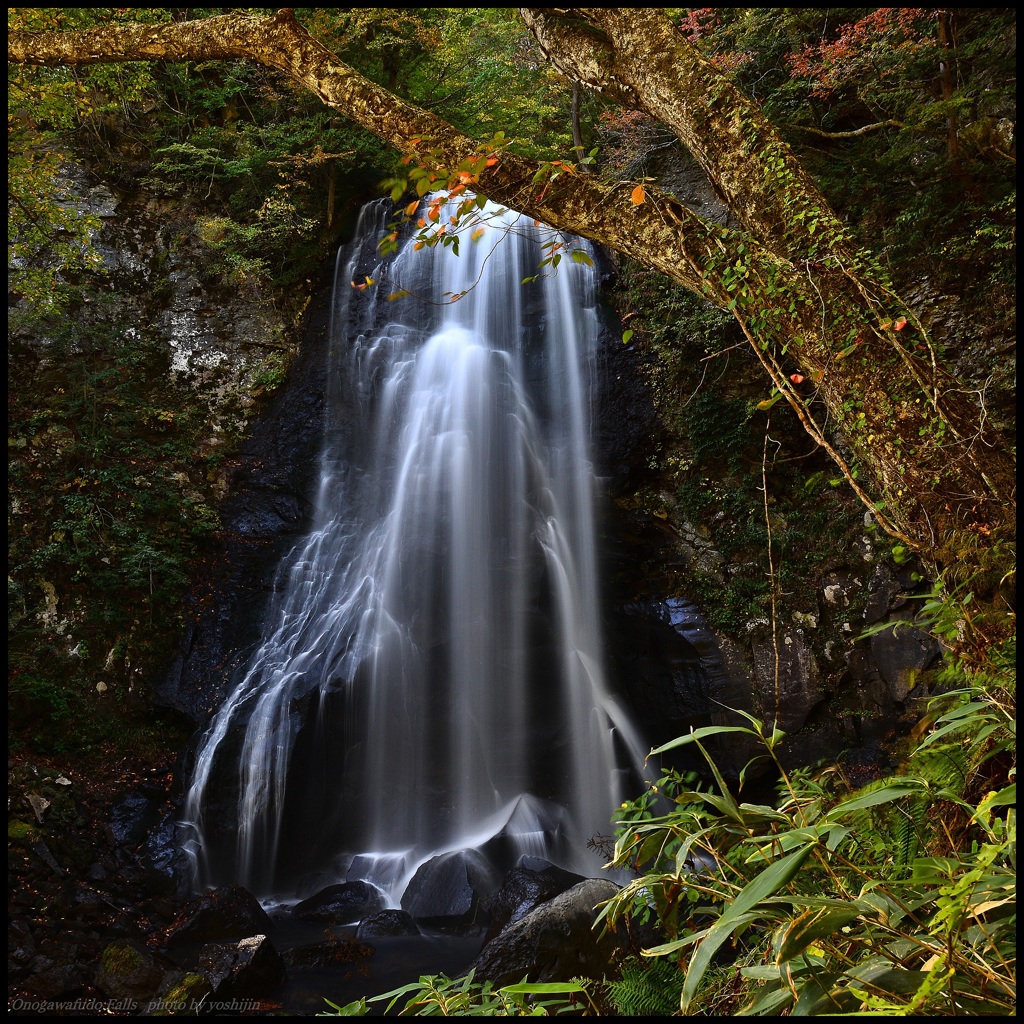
<point>430,675</point>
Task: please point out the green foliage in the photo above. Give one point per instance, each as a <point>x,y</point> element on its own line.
<point>717,425</point>
<point>440,996</point>
<point>707,387</point>
<point>487,53</point>
<point>108,516</point>
<point>896,899</point>
<point>50,237</point>
<point>820,73</point>
<point>646,989</point>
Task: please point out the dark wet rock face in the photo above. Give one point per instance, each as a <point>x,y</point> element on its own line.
<point>387,924</point>
<point>135,813</point>
<point>251,967</point>
<point>269,484</point>
<point>345,903</point>
<point>227,912</point>
<point>447,890</point>
<point>901,654</point>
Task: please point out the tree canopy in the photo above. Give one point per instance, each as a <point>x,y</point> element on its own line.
<point>837,342</point>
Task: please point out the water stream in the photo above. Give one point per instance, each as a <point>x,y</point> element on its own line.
<point>430,675</point>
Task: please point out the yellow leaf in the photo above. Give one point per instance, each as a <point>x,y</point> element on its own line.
<point>982,908</point>
<point>638,195</point>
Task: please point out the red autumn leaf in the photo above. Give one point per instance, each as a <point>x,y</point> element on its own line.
<point>900,324</point>
<point>796,378</point>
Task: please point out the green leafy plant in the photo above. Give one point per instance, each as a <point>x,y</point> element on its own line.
<point>897,899</point>
<point>441,996</point>
<point>646,989</point>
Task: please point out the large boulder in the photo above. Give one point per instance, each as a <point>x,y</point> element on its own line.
<point>447,890</point>
<point>526,887</point>
<point>344,903</point>
<point>246,969</point>
<point>557,941</point>
<point>228,912</point>
<point>128,972</point>
<point>387,924</point>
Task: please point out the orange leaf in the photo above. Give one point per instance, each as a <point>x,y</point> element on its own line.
<point>411,208</point>
<point>491,161</point>
<point>796,378</point>
<point>900,324</point>
<point>638,195</point>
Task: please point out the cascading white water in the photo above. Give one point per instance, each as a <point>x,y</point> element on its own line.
<point>431,672</point>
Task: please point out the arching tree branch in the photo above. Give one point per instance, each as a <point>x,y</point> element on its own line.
<point>801,291</point>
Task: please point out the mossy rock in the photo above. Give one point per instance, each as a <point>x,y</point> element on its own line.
<point>184,998</point>
<point>21,832</point>
<point>127,972</point>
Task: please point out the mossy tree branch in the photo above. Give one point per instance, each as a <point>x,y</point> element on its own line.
<point>812,304</point>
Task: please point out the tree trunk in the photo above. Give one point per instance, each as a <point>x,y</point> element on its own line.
<point>577,132</point>
<point>947,42</point>
<point>811,303</point>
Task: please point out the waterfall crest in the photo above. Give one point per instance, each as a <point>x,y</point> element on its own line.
<point>430,675</point>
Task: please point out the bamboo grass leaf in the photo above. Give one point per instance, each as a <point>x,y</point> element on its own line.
<point>808,927</point>
<point>764,884</point>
